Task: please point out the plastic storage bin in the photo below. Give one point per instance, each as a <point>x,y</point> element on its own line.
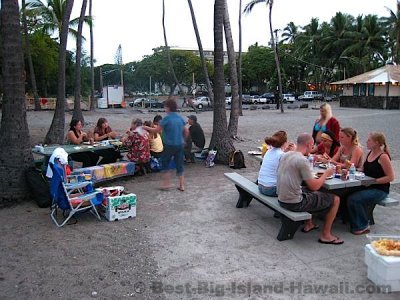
<point>383,270</point>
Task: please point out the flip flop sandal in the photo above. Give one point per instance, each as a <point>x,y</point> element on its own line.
<point>313,228</point>
<point>333,242</point>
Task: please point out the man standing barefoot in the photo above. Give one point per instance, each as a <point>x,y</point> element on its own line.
<point>174,133</point>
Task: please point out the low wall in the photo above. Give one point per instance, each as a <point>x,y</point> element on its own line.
<point>370,102</point>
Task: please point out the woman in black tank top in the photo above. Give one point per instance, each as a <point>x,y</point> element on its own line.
<point>377,165</point>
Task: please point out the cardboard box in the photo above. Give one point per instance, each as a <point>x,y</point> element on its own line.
<point>383,270</point>
<point>120,207</point>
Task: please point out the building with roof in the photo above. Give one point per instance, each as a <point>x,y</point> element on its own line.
<point>378,88</point>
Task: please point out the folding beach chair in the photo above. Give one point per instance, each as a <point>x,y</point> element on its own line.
<point>71,198</point>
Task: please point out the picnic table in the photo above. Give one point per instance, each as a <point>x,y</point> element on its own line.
<point>47,150</point>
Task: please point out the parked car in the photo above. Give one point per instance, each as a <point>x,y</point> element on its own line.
<point>311,95</point>
<point>201,102</point>
<point>288,98</point>
<point>147,103</point>
<point>258,99</point>
<point>246,99</point>
<point>269,98</point>
<point>136,102</point>
<point>228,100</point>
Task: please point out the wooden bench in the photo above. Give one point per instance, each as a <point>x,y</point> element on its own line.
<point>248,190</point>
<point>391,200</point>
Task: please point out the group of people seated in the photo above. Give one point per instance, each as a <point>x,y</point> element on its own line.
<point>101,132</point>
<point>140,140</point>
<point>285,173</point>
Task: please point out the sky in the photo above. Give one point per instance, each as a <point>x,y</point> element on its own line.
<point>137,24</point>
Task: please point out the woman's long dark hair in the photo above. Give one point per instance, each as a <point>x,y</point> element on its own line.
<point>72,125</point>
<point>335,142</point>
<point>99,127</point>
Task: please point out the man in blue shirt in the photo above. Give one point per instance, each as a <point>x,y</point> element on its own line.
<point>174,134</point>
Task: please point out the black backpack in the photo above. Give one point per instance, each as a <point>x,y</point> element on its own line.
<point>236,160</point>
<point>39,187</point>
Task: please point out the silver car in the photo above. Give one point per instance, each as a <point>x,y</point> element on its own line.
<point>201,102</point>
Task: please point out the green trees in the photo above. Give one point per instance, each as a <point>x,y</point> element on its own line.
<point>55,135</point>
<point>270,4</point>
<point>391,26</point>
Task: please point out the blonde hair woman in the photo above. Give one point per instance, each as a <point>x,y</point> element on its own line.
<point>325,122</point>
<point>350,150</point>
<point>376,165</point>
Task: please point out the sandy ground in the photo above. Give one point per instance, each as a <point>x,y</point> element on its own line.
<point>190,245</point>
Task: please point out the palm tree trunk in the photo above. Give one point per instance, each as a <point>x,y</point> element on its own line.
<point>55,135</point>
<point>240,61</point>
<point>278,68</point>
<point>171,66</point>
<point>202,58</point>
<point>92,102</point>
<point>220,137</point>
<point>77,114</point>
<point>29,58</point>
<point>234,115</point>
<point>15,148</point>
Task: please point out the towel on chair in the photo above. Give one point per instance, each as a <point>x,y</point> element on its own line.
<point>61,155</point>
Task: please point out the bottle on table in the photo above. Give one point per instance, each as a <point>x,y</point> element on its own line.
<point>352,172</point>
<point>311,161</point>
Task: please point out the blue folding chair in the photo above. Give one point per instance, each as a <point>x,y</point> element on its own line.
<point>71,198</point>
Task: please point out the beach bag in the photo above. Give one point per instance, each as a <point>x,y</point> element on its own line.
<point>155,164</point>
<point>39,187</point>
<point>236,160</point>
<point>210,158</point>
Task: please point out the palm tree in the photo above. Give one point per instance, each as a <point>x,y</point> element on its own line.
<point>290,33</point>
<point>234,115</point>
<point>220,137</point>
<point>393,24</point>
<point>15,148</point>
<point>171,66</point>
<point>50,14</point>
<point>240,60</point>
<point>29,58</point>
<point>201,52</point>
<point>270,3</point>
<point>55,135</point>
<point>77,114</point>
<point>92,103</point>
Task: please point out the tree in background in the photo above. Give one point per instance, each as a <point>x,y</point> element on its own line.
<point>240,60</point>
<point>234,115</point>
<point>29,58</point>
<point>92,102</point>
<point>270,4</point>
<point>201,52</point>
<point>77,114</point>
<point>220,136</point>
<point>392,24</point>
<point>171,66</point>
<point>55,135</point>
<point>15,149</point>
